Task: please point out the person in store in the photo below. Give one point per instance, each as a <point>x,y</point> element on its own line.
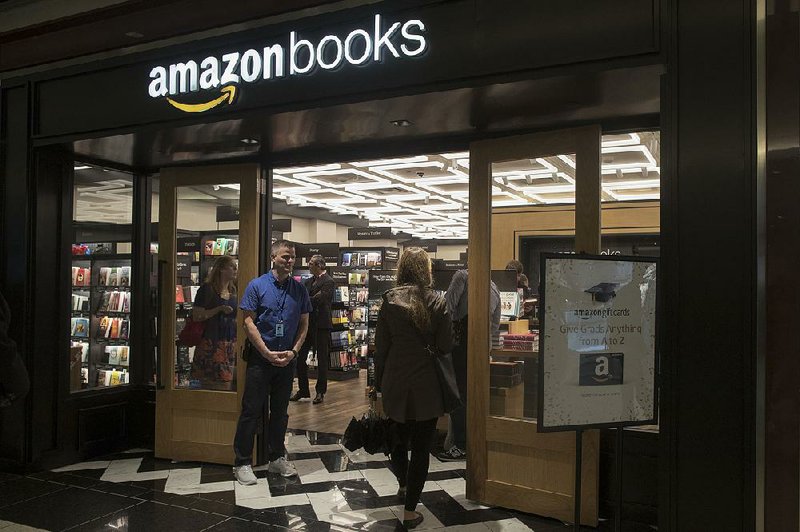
<point>516,266</point>
<point>320,289</point>
<point>412,318</point>
<point>276,309</point>
<point>457,307</point>
<point>14,381</point>
<point>214,362</point>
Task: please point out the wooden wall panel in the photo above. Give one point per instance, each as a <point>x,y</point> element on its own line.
<point>508,224</point>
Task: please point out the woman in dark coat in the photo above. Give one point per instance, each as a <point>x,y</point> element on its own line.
<point>412,318</point>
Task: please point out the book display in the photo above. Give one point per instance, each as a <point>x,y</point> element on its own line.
<point>379,282</point>
<point>348,323</point>
<point>100,309</point>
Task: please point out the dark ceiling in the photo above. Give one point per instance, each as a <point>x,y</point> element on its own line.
<point>127,24</point>
<point>615,98</point>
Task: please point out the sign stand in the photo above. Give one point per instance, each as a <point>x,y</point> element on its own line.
<point>597,350</point>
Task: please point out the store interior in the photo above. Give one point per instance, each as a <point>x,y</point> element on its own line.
<point>360,215</point>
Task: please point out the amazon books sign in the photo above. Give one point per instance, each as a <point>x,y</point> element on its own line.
<point>223,75</point>
<point>597,359</point>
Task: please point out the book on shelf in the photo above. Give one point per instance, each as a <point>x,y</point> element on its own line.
<point>81,276</point>
<point>80,301</point>
<point>117,355</point>
<point>179,294</point>
<point>341,294</point>
<point>80,327</point>
<point>208,247</point>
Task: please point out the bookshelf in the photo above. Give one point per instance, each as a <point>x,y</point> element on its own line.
<point>100,324</point>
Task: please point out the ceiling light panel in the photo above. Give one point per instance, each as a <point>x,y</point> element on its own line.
<point>424,194</point>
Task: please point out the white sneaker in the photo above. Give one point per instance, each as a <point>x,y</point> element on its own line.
<point>244,474</point>
<point>283,467</point>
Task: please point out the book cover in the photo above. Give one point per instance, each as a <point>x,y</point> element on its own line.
<point>125,276</point>
<point>217,249</point>
<point>105,322</point>
<point>115,378</point>
<point>179,294</point>
<point>124,329</point>
<point>125,303</point>
<point>114,328</point>
<point>113,301</point>
<point>75,271</point>
<point>113,277</point>
<point>208,247</point>
<point>112,355</point>
<point>80,327</point>
<point>230,247</point>
<point>124,350</point>
<point>104,274</point>
<point>346,259</point>
<point>104,302</point>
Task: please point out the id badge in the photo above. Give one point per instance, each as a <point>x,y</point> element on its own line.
<point>279,329</point>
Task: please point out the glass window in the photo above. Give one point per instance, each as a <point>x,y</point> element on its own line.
<point>100,324</point>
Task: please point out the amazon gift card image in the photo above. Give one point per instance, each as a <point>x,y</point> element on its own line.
<point>601,369</point>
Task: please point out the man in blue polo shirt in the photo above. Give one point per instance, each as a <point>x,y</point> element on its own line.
<point>275,309</point>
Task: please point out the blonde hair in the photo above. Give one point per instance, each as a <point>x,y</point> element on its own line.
<point>414,270</point>
<point>214,276</point>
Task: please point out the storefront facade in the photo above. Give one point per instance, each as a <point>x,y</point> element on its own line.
<point>302,88</point>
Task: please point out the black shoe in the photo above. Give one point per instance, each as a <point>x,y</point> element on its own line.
<point>300,395</point>
<point>408,524</point>
<point>401,493</point>
<point>454,454</point>
<point>319,398</point>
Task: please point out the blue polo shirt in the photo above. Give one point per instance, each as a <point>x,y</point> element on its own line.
<point>273,302</point>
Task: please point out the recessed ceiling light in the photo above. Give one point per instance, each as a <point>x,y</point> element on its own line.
<point>82,167</point>
<point>249,141</point>
<point>400,123</point>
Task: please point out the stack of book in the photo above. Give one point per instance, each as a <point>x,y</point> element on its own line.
<point>520,342</point>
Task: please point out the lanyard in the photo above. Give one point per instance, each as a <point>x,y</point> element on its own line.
<point>277,296</point>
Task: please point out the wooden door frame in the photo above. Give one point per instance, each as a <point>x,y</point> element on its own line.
<point>167,397</point>
<point>584,142</point>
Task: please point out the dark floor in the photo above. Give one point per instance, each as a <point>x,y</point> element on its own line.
<point>335,490</point>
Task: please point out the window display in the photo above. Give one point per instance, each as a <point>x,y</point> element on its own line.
<point>100,322</point>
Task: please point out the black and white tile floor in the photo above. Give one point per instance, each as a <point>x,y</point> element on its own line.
<point>335,490</point>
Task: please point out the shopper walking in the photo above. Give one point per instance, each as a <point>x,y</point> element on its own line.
<point>413,322</point>
<point>214,361</point>
<point>456,298</point>
<point>276,311</point>
<point>320,290</point>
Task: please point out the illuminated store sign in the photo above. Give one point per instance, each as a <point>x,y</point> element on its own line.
<point>300,57</point>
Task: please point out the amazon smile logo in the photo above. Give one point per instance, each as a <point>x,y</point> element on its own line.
<point>222,77</point>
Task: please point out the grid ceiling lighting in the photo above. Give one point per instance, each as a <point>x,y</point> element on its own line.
<point>427,196</point>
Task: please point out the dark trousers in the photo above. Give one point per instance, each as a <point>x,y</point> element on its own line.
<point>264,382</point>
<point>321,343</point>
<point>458,417</point>
<point>412,475</point>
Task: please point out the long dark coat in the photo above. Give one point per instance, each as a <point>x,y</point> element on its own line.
<point>404,370</point>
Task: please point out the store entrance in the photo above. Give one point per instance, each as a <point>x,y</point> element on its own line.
<point>510,462</point>
<point>208,250</point>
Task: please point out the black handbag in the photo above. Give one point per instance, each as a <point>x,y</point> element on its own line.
<point>443,362</point>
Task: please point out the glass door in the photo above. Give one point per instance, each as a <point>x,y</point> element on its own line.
<point>511,464</point>
<point>207,253</point>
